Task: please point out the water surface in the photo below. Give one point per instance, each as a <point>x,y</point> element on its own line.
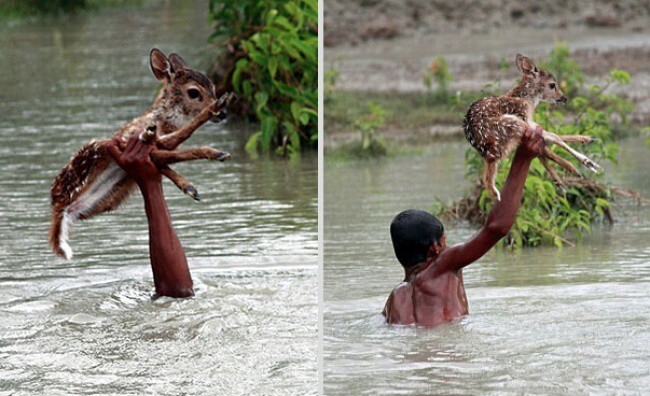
<point>89,325</point>
<point>568,321</point>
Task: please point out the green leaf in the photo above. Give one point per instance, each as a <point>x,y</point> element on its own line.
<point>253,143</point>
<point>273,66</point>
<point>620,76</point>
<point>295,111</point>
<point>261,98</point>
<point>268,130</point>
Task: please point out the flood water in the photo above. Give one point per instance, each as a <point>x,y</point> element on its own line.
<point>542,321</point>
<point>90,325</point>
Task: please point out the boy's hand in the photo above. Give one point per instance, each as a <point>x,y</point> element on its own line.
<point>532,143</point>
<point>135,160</point>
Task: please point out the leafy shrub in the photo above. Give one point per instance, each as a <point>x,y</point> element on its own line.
<point>439,72</point>
<point>548,213</point>
<point>271,62</point>
<point>371,144</point>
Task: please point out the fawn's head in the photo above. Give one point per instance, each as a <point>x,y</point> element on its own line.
<point>538,85</point>
<point>186,91</point>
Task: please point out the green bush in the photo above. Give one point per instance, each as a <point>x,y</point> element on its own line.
<point>271,51</point>
<point>548,213</point>
<point>371,144</point>
<point>439,72</point>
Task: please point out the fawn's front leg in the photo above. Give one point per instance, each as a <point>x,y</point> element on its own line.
<point>174,139</point>
<point>166,157</point>
<point>180,181</point>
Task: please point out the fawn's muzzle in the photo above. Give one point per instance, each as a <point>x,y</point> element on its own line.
<point>562,100</point>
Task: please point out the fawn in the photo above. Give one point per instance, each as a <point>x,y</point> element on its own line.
<point>494,126</point>
<point>92,183</point>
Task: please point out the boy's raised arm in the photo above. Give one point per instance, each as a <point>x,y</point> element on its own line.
<point>503,214</point>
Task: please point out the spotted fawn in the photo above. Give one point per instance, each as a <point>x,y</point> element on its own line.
<point>92,183</point>
<point>494,126</point>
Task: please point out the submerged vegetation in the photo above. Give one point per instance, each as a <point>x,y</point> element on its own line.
<point>269,59</point>
<point>549,214</point>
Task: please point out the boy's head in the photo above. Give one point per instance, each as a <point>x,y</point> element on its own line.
<point>416,235</point>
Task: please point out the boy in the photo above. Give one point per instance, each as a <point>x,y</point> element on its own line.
<point>432,291</point>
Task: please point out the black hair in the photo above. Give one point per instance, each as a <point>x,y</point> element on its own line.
<point>413,232</point>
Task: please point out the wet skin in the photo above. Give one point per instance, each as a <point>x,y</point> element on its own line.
<point>433,291</point>
<point>171,274</point>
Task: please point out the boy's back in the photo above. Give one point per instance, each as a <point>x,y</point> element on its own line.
<point>427,301</point>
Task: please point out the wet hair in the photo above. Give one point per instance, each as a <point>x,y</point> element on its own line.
<point>413,232</point>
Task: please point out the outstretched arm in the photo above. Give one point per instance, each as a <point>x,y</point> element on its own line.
<point>170,271</point>
<point>504,212</point>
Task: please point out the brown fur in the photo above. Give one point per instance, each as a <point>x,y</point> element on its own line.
<point>186,101</point>
<point>494,126</point>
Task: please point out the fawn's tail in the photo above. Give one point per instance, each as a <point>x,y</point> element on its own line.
<point>60,232</point>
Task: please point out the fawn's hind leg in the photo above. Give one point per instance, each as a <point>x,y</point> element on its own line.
<point>165,157</point>
<point>551,138</point>
<point>489,177</point>
<point>180,181</point>
<point>577,138</point>
<point>560,161</point>
<point>556,179</point>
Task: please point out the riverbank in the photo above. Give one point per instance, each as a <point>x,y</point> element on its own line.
<point>390,73</point>
<point>359,22</point>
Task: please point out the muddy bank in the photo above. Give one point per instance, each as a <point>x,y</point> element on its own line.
<point>362,20</point>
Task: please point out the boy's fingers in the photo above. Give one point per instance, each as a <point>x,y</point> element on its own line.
<point>142,146</point>
<point>132,141</point>
<point>114,151</point>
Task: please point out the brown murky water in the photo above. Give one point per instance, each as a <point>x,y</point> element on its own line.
<point>89,326</point>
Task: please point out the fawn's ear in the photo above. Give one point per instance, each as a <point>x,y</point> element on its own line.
<point>160,65</point>
<point>178,64</point>
<point>526,65</point>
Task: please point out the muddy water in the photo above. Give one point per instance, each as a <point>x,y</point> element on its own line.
<point>89,325</point>
<point>568,321</point>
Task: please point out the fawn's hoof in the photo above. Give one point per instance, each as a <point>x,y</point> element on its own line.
<point>594,140</point>
<point>592,166</point>
<point>192,192</point>
<point>222,156</point>
<point>495,193</point>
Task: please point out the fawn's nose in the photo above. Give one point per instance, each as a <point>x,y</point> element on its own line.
<point>562,100</point>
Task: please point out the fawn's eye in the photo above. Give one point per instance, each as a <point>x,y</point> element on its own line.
<point>551,85</point>
<point>193,93</point>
